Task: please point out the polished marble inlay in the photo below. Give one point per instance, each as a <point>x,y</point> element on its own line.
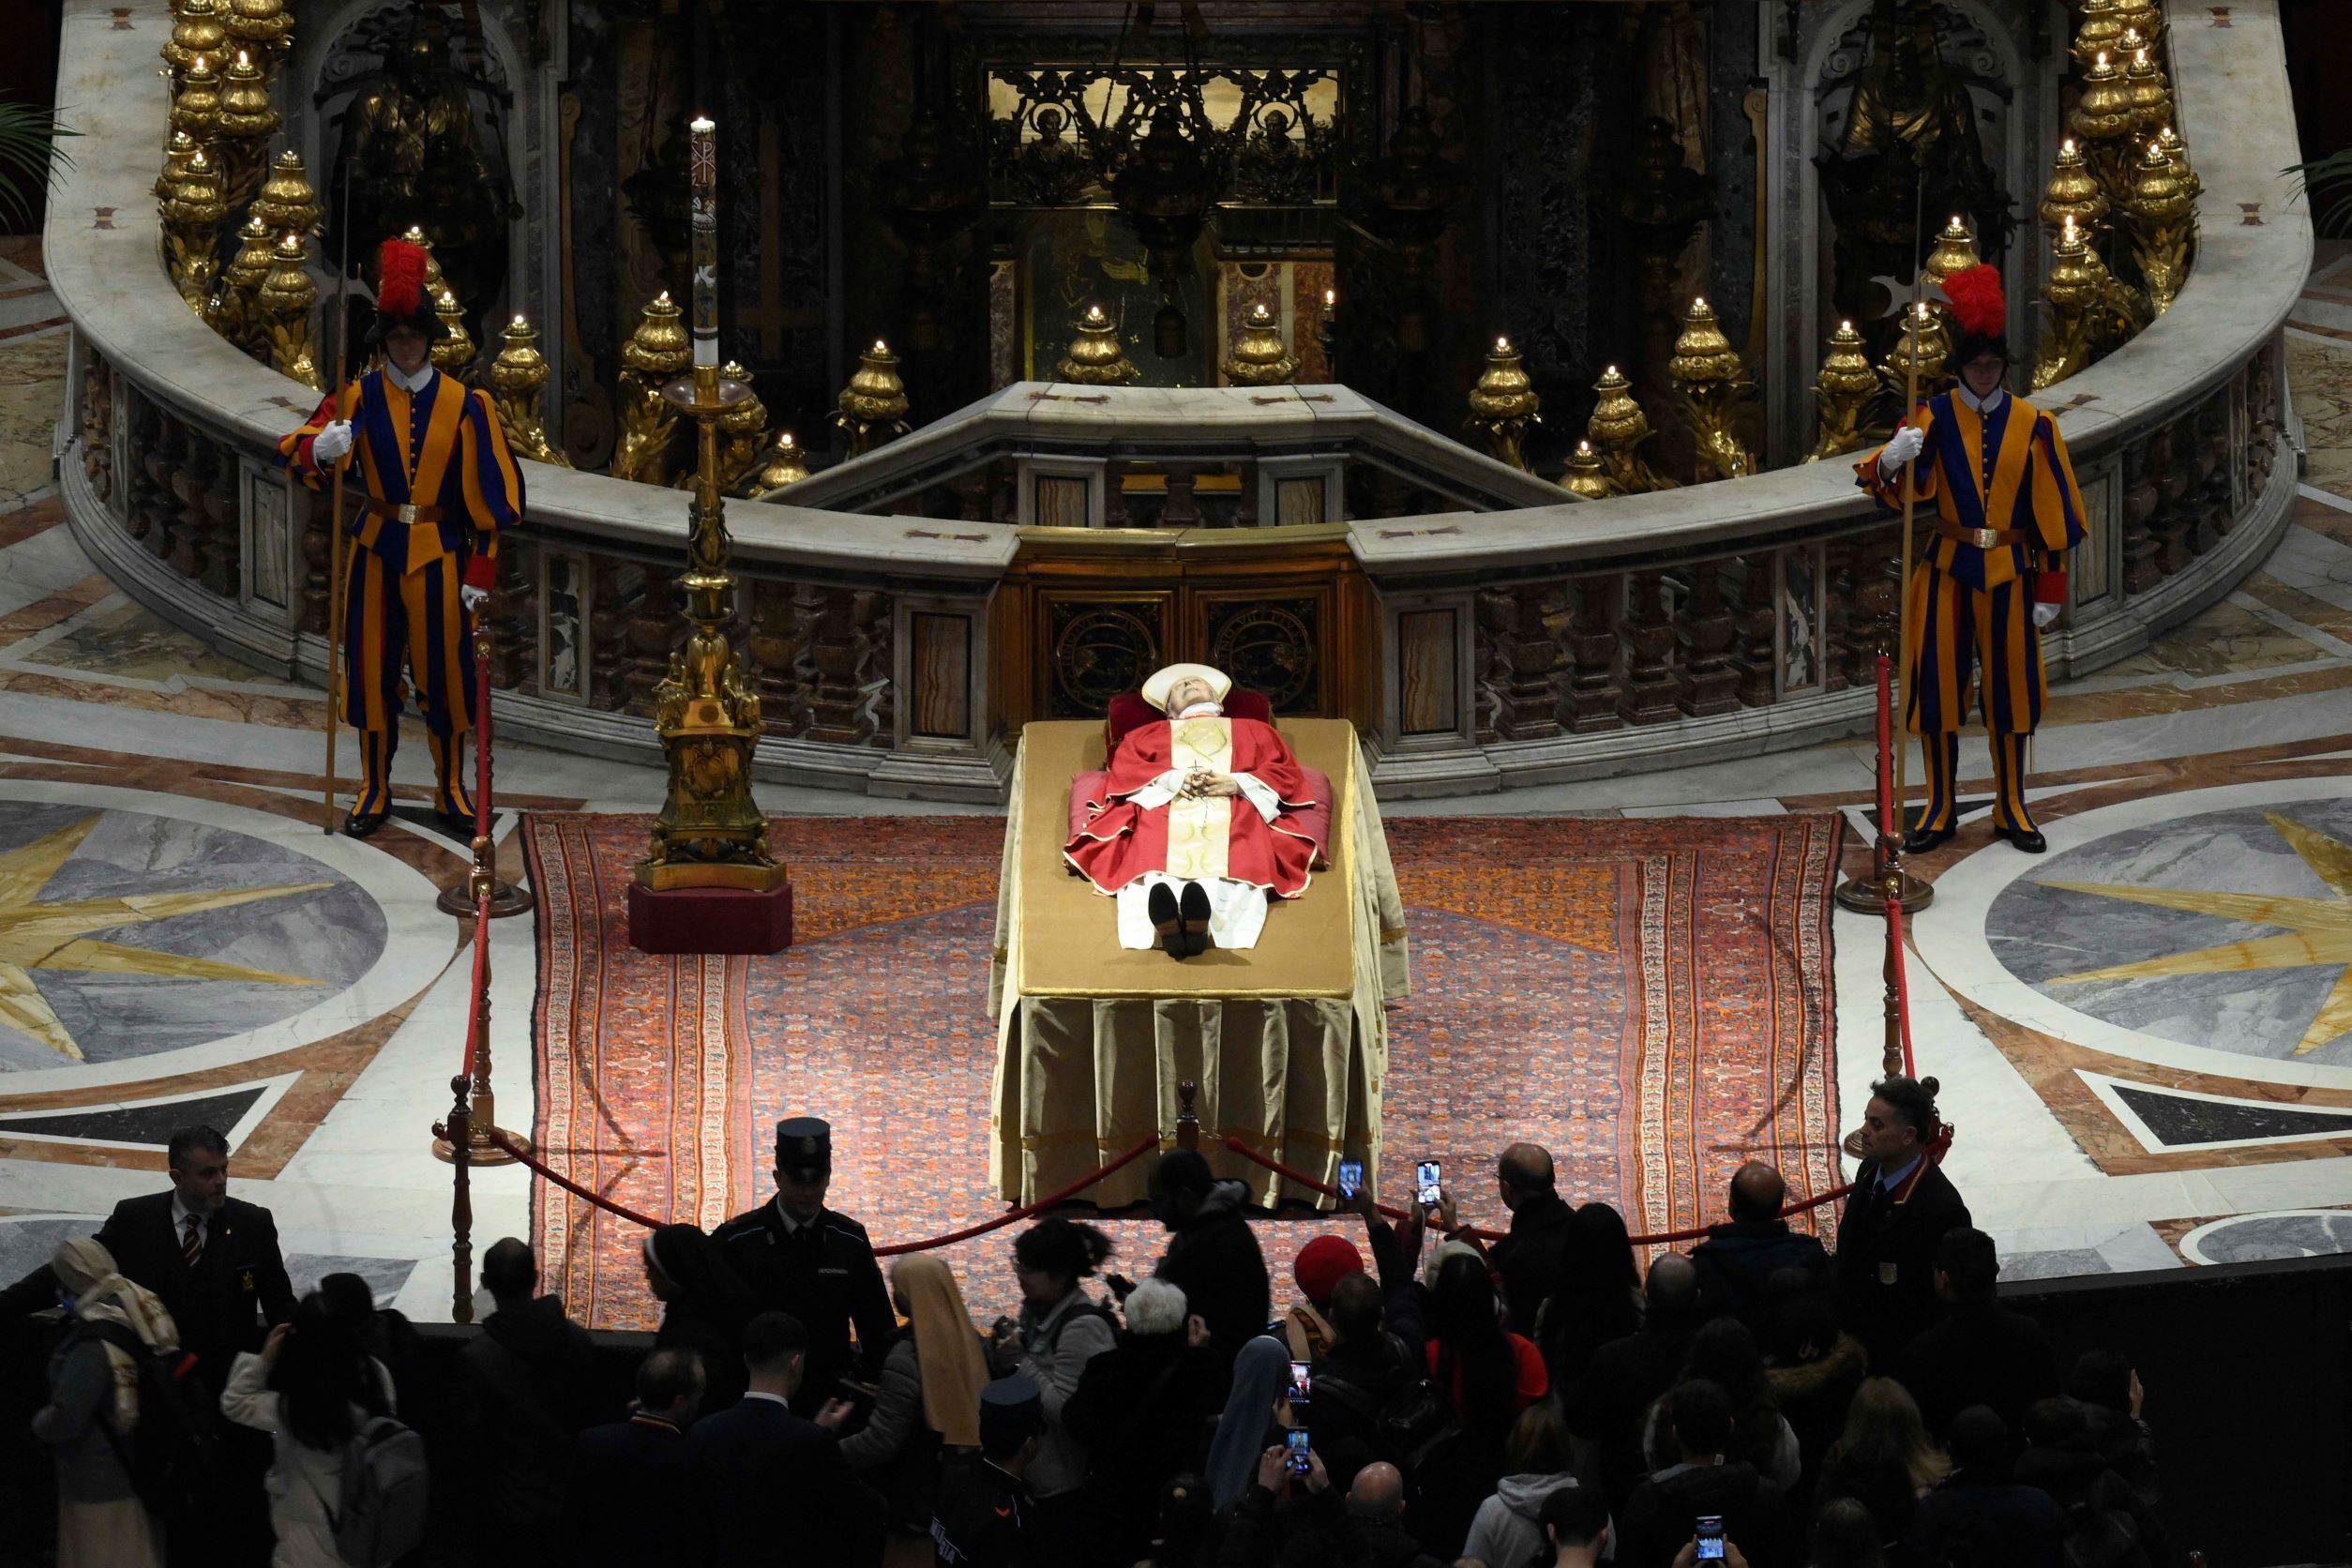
<point>2227,930</point>
<point>2179,1120</point>
<point>123,934</point>
<point>150,1122</point>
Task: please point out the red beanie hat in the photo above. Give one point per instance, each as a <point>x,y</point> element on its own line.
<point>1323,1264</point>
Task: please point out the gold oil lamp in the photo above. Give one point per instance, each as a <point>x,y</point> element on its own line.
<point>1259,356</point>
<point>262,26</point>
<point>517,378</point>
<point>1617,430</point>
<point>2072,290</point>
<point>453,352</point>
<point>2073,194</point>
<point>191,229</point>
<point>1842,387</point>
<point>196,107</point>
<point>655,355</point>
<point>287,203</point>
<point>236,308</point>
<point>872,408</point>
<point>2102,123</point>
<point>1714,388</point>
<point>1586,474</point>
<point>2146,89</point>
<point>247,120</point>
<point>1503,404</point>
<point>2101,31</point>
<point>1955,251</point>
<point>1920,353</point>
<point>783,463</point>
<point>2157,212</point>
<point>287,297</point>
<point>195,30</point>
<point>1097,357</point>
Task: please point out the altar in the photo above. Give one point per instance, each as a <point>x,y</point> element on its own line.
<point>1288,1040</point>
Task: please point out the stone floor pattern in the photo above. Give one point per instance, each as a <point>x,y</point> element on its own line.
<point>2145,1037</point>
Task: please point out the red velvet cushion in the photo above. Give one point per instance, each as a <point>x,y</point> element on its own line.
<point>1314,821</point>
<point>1129,711</point>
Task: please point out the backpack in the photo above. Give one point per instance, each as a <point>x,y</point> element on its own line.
<point>172,1456</point>
<point>379,1517</point>
<point>1408,1427</point>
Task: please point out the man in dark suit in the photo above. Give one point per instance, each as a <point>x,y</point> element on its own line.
<point>1900,1208</point>
<point>631,1473</point>
<point>773,1489</point>
<point>212,1258</point>
<point>1530,1258</point>
<point>1981,1353</point>
<point>800,1257</point>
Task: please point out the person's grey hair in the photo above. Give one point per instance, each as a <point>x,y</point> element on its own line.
<point>1155,1306</point>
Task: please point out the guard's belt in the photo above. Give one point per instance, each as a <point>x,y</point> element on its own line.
<point>1984,538</point>
<point>402,511</point>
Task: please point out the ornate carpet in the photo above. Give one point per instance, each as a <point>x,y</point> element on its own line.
<point>1651,999</point>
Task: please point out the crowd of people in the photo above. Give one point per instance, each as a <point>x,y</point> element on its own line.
<point>1419,1399</point>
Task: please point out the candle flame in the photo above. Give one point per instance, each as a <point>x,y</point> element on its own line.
<point>662,298</point>
<point>1956,222</point>
<point>1503,345</point>
<point>701,124</point>
<point>1331,297</point>
<point>2139,56</point>
<point>521,324</point>
<point>880,347</point>
<point>1584,448</point>
<point>2103,60</point>
<point>2068,146</point>
<point>786,439</point>
<point>1845,327</point>
<point>1699,303</point>
<point>1610,373</point>
<point>243,64</point>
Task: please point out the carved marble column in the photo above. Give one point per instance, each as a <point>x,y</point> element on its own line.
<point>1519,663</point>
<point>1705,682</point>
<point>1756,617</point>
<point>1590,703</point>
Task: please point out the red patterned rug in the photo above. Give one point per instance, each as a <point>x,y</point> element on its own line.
<point>1651,999</point>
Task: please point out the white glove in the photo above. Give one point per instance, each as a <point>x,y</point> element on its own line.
<point>331,443</point>
<point>2045,613</point>
<point>471,597</point>
<point>1906,444</point>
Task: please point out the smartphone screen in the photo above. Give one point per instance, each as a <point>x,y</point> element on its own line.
<point>1298,1450</point>
<point>1710,1535</point>
<point>1350,1180</point>
<point>1429,1178</point>
<point>1302,1382</point>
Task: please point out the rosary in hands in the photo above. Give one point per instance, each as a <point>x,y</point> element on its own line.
<point>1201,784</point>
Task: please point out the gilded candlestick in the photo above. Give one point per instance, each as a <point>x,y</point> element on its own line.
<point>1714,388</point>
<point>1503,404</point>
<point>196,29</point>
<point>517,379</point>
<point>1259,356</point>
<point>262,26</point>
<point>2072,290</point>
<point>287,204</point>
<point>1587,475</point>
<point>656,352</point>
<point>874,403</point>
<point>2149,95</point>
<point>2157,212</point>
<point>191,229</point>
<point>287,296</point>
<point>247,121</point>
<point>710,832</point>
<point>2101,31</point>
<point>1097,357</point>
<point>2074,194</point>
<point>783,463</point>
<point>1617,430</point>
<point>1955,251</point>
<point>236,310</point>
<point>2101,125</point>
<point>1844,387</point>
<point>453,352</point>
<point>196,107</point>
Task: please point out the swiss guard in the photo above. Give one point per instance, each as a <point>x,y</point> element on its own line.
<point>2007,510</point>
<point>441,485</point>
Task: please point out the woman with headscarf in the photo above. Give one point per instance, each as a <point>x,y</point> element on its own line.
<point>929,1399</point>
<point>93,1414</point>
<point>310,1388</point>
<point>704,1306</point>
<point>1256,1408</point>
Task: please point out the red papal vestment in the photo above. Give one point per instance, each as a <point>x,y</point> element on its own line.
<point>1215,836</point>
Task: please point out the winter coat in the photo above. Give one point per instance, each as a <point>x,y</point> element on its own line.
<point>1214,1259</point>
<point>1505,1534</point>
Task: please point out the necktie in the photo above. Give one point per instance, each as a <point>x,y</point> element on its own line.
<point>192,1243</point>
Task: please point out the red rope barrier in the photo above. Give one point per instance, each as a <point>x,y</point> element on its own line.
<point>1015,1216</point>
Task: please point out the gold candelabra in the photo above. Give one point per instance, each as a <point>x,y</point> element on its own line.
<point>287,204</point>
<point>1503,404</point>
<point>196,30</point>
<point>2145,88</point>
<point>191,229</point>
<point>1919,354</point>
<point>262,26</point>
<point>453,352</point>
<point>873,406</point>
<point>1587,475</point>
<point>2072,290</point>
<point>710,833</point>
<point>1715,392</point>
<point>1617,430</point>
<point>236,308</point>
<point>178,151</point>
<point>1844,387</point>
<point>2101,31</point>
<point>287,296</point>
<point>2157,212</point>
<point>1955,251</point>
<point>2178,150</point>
<point>1097,357</point>
<point>246,122</point>
<point>655,355</point>
<point>782,463</point>
<point>2073,194</point>
<point>517,378</point>
<point>196,106</point>
<point>2102,124</point>
<point>1259,356</point>
<point>741,428</point>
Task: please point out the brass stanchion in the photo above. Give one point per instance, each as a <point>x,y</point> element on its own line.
<point>456,1134</point>
<point>461,898</point>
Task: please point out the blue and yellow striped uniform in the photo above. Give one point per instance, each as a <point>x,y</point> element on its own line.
<point>441,450</point>
<point>2002,470</point>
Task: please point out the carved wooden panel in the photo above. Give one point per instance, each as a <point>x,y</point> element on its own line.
<point>1269,644</point>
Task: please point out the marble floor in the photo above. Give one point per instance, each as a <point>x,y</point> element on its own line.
<point>2145,1037</point>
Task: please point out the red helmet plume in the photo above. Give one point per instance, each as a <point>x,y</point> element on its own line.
<point>400,280</point>
<point>1977,301</point>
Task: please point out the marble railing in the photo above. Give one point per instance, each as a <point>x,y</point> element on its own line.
<point>1532,639</point>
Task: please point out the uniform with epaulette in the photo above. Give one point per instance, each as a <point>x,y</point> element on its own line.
<point>441,485</point>
<point>2007,509</point>
<point>817,1264</point>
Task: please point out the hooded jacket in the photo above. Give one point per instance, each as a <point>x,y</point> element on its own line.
<point>1505,1533</point>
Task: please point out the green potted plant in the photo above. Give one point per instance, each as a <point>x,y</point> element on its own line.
<point>28,143</point>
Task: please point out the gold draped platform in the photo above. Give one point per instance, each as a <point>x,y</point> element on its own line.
<point>1287,1041</point>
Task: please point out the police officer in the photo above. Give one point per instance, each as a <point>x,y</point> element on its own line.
<point>982,1519</point>
<point>799,1256</point>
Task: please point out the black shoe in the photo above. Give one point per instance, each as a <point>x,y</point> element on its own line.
<point>1168,921</point>
<point>360,824</point>
<point>2030,839</point>
<point>454,825</point>
<point>1922,841</point>
<point>1195,905</point>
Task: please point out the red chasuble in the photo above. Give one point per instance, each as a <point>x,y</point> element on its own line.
<point>1218,837</point>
